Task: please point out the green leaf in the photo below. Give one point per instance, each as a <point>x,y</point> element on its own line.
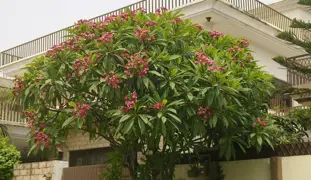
<point>160,114</point>
<point>72,104</point>
<point>259,140</point>
<point>80,122</point>
<point>174,57</point>
<point>174,117</point>
<point>172,85</point>
<point>213,121</point>
<point>128,126</point>
<point>205,90</point>
<point>172,110</point>
<point>145,119</point>
<point>210,99</point>
<point>190,96</point>
<point>241,147</point>
<point>141,125</point>
<point>164,119</point>
<point>146,81</point>
<point>68,121</point>
<point>225,121</point>
<point>163,129</point>
<point>269,142</point>
<point>33,147</point>
<point>124,118</point>
<point>252,135</point>
<point>157,74</point>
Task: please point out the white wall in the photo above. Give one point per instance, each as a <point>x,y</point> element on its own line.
<point>264,57</point>
<point>298,13</point>
<point>58,169</point>
<point>255,169</point>
<point>296,167</point>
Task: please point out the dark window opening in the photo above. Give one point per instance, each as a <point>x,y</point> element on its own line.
<point>89,157</point>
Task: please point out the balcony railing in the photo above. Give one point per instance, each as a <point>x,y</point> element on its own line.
<point>267,14</point>
<point>287,110</point>
<point>295,77</point>
<point>44,43</point>
<point>11,114</point>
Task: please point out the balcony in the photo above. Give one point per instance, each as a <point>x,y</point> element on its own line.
<point>10,114</point>
<point>296,78</point>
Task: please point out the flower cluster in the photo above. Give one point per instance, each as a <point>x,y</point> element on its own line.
<point>30,118</point>
<point>124,16</point>
<point>242,60</point>
<point>249,57</point>
<point>260,122</point>
<point>151,23</point>
<point>19,86</point>
<point>215,34</point>
<point>125,54</point>
<point>176,20</point>
<point>204,112</point>
<point>137,64</point>
<point>142,10</point>
<point>158,106</point>
<point>80,110</point>
<point>130,101</point>
<point>87,35</point>
<point>109,19</point>
<point>235,49</point>
<point>53,51</point>
<point>69,44</point>
<point>106,37</point>
<point>198,27</point>
<point>216,68</point>
<point>112,79</point>
<point>82,22</point>
<point>144,34</point>
<point>81,65</point>
<point>244,43</point>
<point>40,76</point>
<point>42,138</point>
<point>203,59</point>
<point>162,9</point>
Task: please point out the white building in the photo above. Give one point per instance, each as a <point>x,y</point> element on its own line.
<point>250,19</point>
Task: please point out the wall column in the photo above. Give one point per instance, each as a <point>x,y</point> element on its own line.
<point>276,168</point>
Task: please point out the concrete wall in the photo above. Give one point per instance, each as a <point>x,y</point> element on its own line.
<point>264,57</point>
<point>80,141</point>
<point>255,169</point>
<point>296,167</point>
<point>50,170</point>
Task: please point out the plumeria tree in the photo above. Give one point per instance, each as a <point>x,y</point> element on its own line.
<point>149,83</point>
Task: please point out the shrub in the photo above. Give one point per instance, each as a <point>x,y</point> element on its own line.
<point>9,156</point>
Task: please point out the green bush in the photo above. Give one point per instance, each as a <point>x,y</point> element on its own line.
<point>9,156</point>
